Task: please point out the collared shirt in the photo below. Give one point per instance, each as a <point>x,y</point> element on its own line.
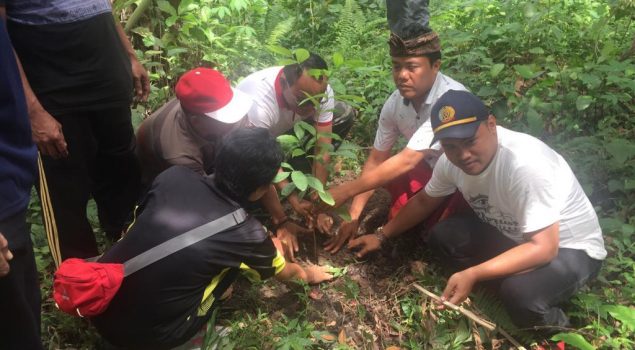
<point>269,109</point>
<point>398,117</point>
<point>39,12</point>
<point>167,138</point>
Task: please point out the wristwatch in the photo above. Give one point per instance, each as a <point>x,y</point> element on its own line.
<point>380,235</point>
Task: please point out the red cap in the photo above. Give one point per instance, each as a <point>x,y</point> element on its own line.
<point>206,91</point>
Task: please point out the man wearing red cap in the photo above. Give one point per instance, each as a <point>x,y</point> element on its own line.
<point>416,61</point>
<point>185,132</point>
<point>186,129</point>
<point>533,237</point>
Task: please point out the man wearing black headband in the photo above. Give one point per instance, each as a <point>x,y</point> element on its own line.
<point>416,59</point>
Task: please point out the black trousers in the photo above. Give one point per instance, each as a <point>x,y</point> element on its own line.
<point>530,298</point>
<point>19,290</point>
<point>101,164</point>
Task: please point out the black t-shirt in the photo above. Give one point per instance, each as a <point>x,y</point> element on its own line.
<point>166,303</point>
<point>78,66</point>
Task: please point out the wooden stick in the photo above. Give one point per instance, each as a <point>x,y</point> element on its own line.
<point>487,324</point>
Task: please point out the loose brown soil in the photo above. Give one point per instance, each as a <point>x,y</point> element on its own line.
<point>358,306</point>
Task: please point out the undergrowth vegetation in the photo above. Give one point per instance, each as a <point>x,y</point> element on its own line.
<point>563,71</point>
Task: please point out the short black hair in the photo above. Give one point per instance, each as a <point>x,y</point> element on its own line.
<point>246,159</point>
<point>293,71</point>
<point>433,56</point>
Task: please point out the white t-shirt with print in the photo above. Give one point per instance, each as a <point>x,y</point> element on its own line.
<point>526,187</point>
<point>398,117</point>
<point>267,113</point>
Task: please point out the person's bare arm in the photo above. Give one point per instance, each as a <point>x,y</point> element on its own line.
<point>541,248</point>
<point>311,274</point>
<point>140,77</point>
<point>418,208</point>
<point>378,171</point>
<point>287,230</point>
<point>379,164</point>
<point>46,130</point>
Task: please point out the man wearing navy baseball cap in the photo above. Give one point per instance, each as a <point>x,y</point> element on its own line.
<point>533,233</point>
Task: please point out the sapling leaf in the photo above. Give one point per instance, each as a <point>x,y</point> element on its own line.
<point>281,176</point>
<point>299,179</point>
<point>315,184</point>
<point>286,166</point>
<point>326,198</point>
<point>298,131</point>
<point>297,152</point>
<point>288,140</point>
<point>287,190</point>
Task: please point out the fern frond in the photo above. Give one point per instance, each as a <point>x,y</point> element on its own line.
<point>280,30</point>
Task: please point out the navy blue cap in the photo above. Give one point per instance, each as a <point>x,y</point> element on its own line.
<point>457,114</point>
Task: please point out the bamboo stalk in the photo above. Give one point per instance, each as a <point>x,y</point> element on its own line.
<point>487,324</point>
<point>136,15</point>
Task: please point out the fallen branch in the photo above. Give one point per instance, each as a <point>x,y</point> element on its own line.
<point>485,323</point>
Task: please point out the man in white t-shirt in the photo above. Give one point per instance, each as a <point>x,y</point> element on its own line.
<point>284,96</point>
<point>535,234</point>
<point>416,63</point>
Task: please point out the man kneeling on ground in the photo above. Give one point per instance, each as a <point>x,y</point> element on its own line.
<point>166,303</point>
<point>535,237</point>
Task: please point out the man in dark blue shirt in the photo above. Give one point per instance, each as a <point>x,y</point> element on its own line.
<point>19,290</point>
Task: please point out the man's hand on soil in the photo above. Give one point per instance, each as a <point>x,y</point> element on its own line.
<point>347,230</point>
<point>364,245</point>
<point>287,235</point>
<point>317,274</point>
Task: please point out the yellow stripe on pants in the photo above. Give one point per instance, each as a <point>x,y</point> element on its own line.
<point>48,216</point>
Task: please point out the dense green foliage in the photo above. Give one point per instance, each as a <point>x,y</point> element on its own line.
<point>563,71</point>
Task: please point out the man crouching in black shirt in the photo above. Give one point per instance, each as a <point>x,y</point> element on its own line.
<point>166,303</point>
